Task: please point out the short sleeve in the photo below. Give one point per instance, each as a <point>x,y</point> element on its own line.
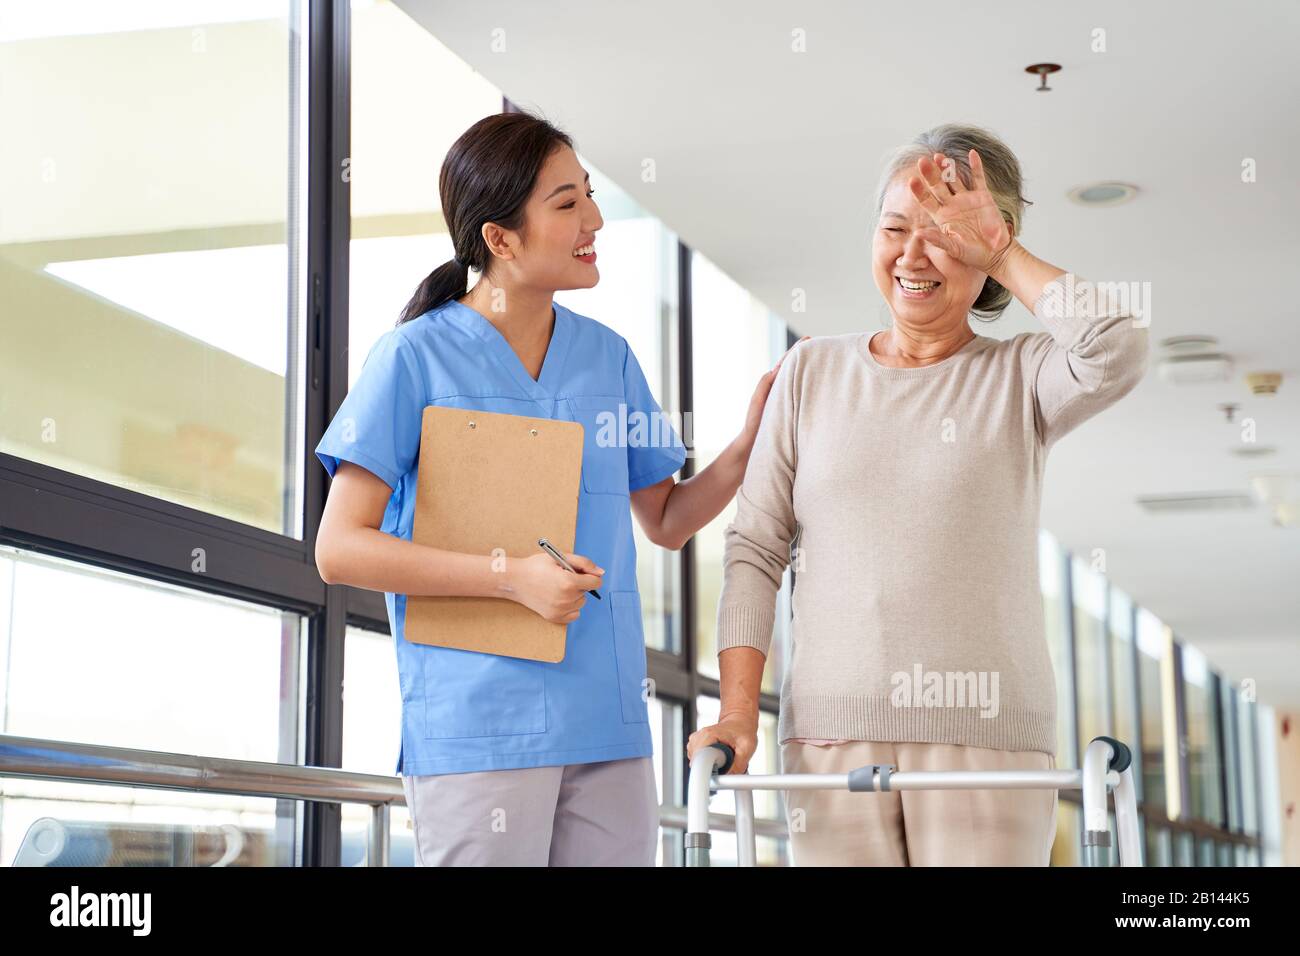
<point>662,453</point>
<point>378,425</point>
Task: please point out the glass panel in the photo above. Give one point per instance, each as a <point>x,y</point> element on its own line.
<point>50,823</point>
<point>1124,678</point>
<point>158,668</point>
<point>398,233</point>
<point>735,339</point>
<point>666,718</point>
<point>1246,737</point>
<point>151,249</point>
<point>637,298</point>
<point>372,705</point>
<point>1204,763</point>
<point>1159,845</point>
<point>1151,652</point>
<point>672,847</point>
<point>1051,569</point>
<point>1088,591</point>
<point>372,738</point>
<point>1205,852</point>
<point>1184,854</point>
<point>768,851</point>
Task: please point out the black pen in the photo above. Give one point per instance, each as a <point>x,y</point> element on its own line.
<point>546,546</point>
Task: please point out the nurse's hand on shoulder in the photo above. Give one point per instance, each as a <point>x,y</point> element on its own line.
<point>739,731</point>
<point>548,589</point>
<point>754,417</point>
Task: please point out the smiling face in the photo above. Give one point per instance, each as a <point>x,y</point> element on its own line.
<point>560,220</point>
<point>924,287</point>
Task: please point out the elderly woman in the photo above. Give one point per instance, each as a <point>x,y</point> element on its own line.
<point>910,462</point>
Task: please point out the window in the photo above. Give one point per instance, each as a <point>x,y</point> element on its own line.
<point>1124,679</point>
<point>1205,766</point>
<point>151,259</point>
<point>398,233</point>
<point>1159,849</point>
<point>1051,568</point>
<point>372,737</point>
<point>666,719</point>
<point>1248,742</point>
<point>101,658</point>
<point>1088,593</point>
<point>726,321</point>
<point>1152,653</point>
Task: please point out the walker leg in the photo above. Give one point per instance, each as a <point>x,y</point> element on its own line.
<point>697,801</point>
<point>697,855</point>
<point>746,841</point>
<point>1126,820</point>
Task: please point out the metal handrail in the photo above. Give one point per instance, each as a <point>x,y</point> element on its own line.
<point>91,763</point>
<point>63,760</point>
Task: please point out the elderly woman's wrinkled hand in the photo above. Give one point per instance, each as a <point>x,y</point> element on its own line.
<point>967,223</point>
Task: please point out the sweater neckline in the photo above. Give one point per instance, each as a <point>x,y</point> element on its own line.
<point>864,348</point>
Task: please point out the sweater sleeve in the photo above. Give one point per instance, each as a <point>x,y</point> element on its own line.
<point>1096,353</point>
<point>757,542</point>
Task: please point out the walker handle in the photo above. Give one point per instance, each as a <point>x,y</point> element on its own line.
<point>1121,758</point>
<point>728,753</point>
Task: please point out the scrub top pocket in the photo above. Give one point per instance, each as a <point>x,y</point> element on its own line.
<point>604,444</point>
<point>629,651</point>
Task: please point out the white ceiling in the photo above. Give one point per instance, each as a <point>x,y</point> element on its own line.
<point>767,160</point>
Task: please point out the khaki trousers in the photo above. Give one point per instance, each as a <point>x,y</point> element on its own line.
<point>917,827</point>
<point>586,814</point>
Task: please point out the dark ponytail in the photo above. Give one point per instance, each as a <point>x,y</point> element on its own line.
<point>488,175</point>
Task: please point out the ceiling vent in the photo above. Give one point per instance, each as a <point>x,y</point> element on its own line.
<point>1198,504</point>
<point>1193,360</point>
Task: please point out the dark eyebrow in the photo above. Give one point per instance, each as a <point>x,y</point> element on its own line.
<point>560,189</point>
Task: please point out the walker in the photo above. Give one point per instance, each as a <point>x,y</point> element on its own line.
<point>1107,764</point>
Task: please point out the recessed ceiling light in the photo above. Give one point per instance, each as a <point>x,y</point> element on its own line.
<point>1184,344</point>
<point>1103,194</point>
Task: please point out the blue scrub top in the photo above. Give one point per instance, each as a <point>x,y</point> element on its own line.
<point>464,711</point>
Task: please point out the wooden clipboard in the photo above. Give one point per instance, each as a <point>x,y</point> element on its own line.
<point>489,481</point>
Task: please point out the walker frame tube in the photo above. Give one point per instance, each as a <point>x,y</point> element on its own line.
<point>1107,765</point>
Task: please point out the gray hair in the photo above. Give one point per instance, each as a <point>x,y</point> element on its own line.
<point>1001,171</point>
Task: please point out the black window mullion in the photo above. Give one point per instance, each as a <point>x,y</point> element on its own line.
<point>686,566</point>
<point>65,514</point>
<point>1182,753</point>
<point>1135,672</point>
<point>1071,654</point>
<point>329,234</point>
<point>1219,723</point>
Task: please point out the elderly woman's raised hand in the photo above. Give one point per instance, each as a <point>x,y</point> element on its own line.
<point>967,223</point>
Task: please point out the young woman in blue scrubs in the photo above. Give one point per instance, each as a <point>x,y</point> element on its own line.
<point>509,761</point>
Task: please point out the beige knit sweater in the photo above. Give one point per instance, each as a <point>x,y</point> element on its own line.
<point>914,493</point>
